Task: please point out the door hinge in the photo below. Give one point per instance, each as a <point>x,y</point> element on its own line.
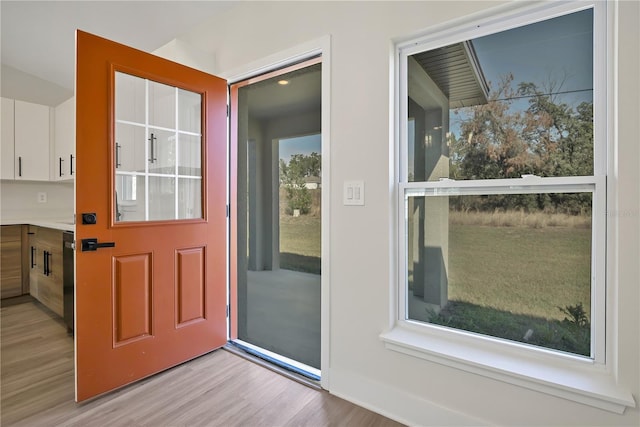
<point>228,310</point>
<point>228,108</point>
<point>228,211</point>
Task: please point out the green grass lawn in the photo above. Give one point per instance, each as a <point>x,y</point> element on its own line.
<point>522,270</point>
<point>300,247</point>
<point>509,282</point>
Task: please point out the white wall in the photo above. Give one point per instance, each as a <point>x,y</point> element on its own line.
<point>361,369</point>
<point>19,200</point>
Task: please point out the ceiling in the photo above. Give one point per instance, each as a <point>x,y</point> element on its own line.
<point>269,100</point>
<point>38,37</point>
<point>456,71</point>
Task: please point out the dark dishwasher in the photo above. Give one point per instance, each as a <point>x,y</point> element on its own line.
<point>68,280</point>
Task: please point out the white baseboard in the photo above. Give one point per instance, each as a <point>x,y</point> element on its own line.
<point>395,403</point>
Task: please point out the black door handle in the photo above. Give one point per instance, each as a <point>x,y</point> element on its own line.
<point>93,245</point>
<point>49,255</point>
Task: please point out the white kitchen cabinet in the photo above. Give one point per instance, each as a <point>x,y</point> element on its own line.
<point>8,150</point>
<point>31,141</point>
<point>64,161</point>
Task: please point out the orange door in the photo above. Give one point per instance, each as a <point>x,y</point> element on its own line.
<point>151,193</point>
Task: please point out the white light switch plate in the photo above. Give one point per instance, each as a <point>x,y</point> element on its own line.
<point>353,193</point>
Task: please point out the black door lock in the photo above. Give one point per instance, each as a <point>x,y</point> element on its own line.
<point>89,218</point>
<point>93,245</point>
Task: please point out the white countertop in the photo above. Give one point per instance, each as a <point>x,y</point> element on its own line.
<point>63,224</point>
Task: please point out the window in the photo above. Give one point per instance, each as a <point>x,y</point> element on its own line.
<point>158,145</point>
<point>499,225</point>
<point>502,162</point>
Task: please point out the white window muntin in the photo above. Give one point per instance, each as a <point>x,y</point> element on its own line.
<point>595,184</point>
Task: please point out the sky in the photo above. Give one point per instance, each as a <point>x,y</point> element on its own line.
<point>300,145</point>
<point>552,49</point>
<point>536,51</point>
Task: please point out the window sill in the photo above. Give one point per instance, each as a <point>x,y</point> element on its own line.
<point>568,377</point>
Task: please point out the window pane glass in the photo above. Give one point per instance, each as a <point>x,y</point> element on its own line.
<point>513,266</point>
<point>504,105</point>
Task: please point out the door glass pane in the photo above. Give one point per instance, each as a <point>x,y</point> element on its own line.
<point>130,190</point>
<point>189,162</point>
<point>189,111</point>
<point>162,151</point>
<point>130,148</point>
<point>162,193</point>
<point>189,203</point>
<point>151,152</point>
<point>162,105</point>
<point>130,99</point>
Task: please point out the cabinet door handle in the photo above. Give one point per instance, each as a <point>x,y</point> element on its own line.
<point>48,263</point>
<point>70,164</point>
<point>19,165</point>
<point>44,263</point>
<point>118,147</point>
<point>33,256</point>
<point>152,139</point>
<point>60,166</point>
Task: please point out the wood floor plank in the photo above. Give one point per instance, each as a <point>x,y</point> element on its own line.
<point>218,389</point>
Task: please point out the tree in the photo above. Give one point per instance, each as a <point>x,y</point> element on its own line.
<point>548,138</point>
<point>292,178</point>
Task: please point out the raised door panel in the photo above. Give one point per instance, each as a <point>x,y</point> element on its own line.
<point>8,150</point>
<point>32,135</point>
<point>65,140</point>
<point>132,291</point>
<point>190,285</point>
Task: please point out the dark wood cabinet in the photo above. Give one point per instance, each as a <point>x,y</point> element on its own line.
<point>46,267</point>
<point>11,274</point>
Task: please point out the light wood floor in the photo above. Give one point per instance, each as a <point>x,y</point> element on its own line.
<point>219,389</point>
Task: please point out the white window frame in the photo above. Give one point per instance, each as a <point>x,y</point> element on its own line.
<point>590,381</point>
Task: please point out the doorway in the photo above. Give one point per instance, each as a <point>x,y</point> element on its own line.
<point>276,162</point>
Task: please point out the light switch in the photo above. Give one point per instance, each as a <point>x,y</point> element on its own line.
<point>353,193</point>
